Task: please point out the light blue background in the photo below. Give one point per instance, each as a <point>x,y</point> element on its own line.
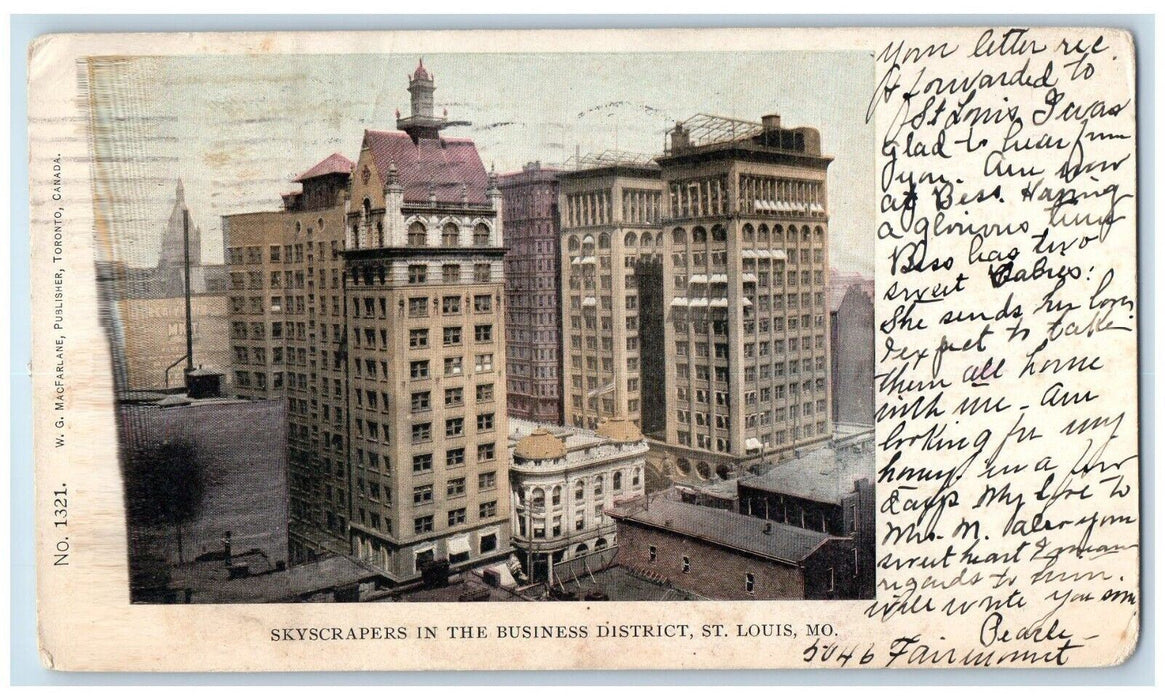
<point>25,664</point>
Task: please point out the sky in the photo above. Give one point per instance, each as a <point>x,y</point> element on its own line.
<point>238,129</point>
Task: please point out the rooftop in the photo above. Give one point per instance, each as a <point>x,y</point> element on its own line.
<point>823,476</point>
<point>333,164</point>
<point>744,533</point>
<point>450,168</point>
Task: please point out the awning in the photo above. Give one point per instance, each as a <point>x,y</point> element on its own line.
<point>749,254</point>
<point>457,545</point>
<point>751,444</point>
<point>589,301</point>
<point>720,302</point>
<point>699,302</point>
<point>698,279</point>
<point>575,260</point>
<point>748,277</point>
<point>719,278</point>
<point>679,301</point>
<point>778,254</point>
<point>589,260</point>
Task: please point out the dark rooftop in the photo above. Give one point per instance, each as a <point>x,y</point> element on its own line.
<point>783,543</point>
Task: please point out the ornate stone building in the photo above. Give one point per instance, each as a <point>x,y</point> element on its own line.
<point>562,481</point>
<point>384,329</point>
<point>533,294</point>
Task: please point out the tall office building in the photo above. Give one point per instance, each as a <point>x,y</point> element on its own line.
<point>611,208</point>
<point>745,266</point>
<point>533,294</point>
<point>389,330</point>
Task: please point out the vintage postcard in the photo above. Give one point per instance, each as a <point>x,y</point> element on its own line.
<point>586,349</point>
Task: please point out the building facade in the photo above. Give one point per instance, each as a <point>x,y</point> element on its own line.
<point>611,211</point>
<point>561,480</point>
<point>852,357</point>
<point>377,295</point>
<point>533,294</point>
<point>745,261</point>
<point>722,555</point>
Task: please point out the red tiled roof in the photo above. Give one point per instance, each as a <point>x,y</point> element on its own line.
<point>334,163</point>
<point>447,163</point>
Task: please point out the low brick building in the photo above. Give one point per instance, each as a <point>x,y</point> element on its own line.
<point>723,555</point>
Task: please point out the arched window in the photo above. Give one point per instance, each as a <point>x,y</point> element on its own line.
<point>647,240</point>
<point>588,244</point>
<point>604,241</point>
<point>579,491</point>
<point>678,237</point>
<point>617,481</point>
<point>684,466</point>
<point>804,233</point>
<point>778,234</point>
<point>599,485</point>
<point>581,550</point>
<point>538,499</point>
<point>481,235</point>
<point>449,235</point>
<point>704,470</point>
<point>699,235</point>
<point>572,243</point>
<point>629,239</point>
<point>819,232</point>
<point>723,471</point>
<point>748,232</point>
<point>556,496</point>
<point>417,234</point>
<point>719,233</point>
<point>635,477</point>
<point>600,543</point>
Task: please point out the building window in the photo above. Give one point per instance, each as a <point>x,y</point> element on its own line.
<point>419,338</point>
<point>651,552</point>
<point>419,369</point>
<point>454,396</point>
<point>485,421</point>
<point>485,452</point>
<point>485,393</point>
<point>456,517</point>
<point>454,427</point>
<point>420,401</point>
<point>481,235</point>
<point>423,524</point>
<point>487,480</point>
<point>481,272</point>
<point>422,432</point>
<point>422,463</point>
<point>482,303</point>
<point>488,543</point>
<point>490,509</point>
<point>418,307</point>
<point>452,366</point>
<point>455,457</point>
<point>417,274</point>
<point>451,336</point>
<point>483,333</point>
<point>484,362</point>
<point>417,234</point>
<point>449,234</point>
<point>749,583</point>
<point>423,494</point>
<point>451,274</point>
<point>686,565</point>
<point>451,305</point>
<point>455,488</point>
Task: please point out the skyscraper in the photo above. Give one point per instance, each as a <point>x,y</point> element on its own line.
<point>533,294</point>
<point>611,208</point>
<point>395,327</point>
<point>745,260</point>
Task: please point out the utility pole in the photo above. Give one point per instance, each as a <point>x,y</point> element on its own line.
<point>186,267</point>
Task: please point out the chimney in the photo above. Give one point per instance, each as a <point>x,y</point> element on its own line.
<point>771,122</point>
<point>680,137</point>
